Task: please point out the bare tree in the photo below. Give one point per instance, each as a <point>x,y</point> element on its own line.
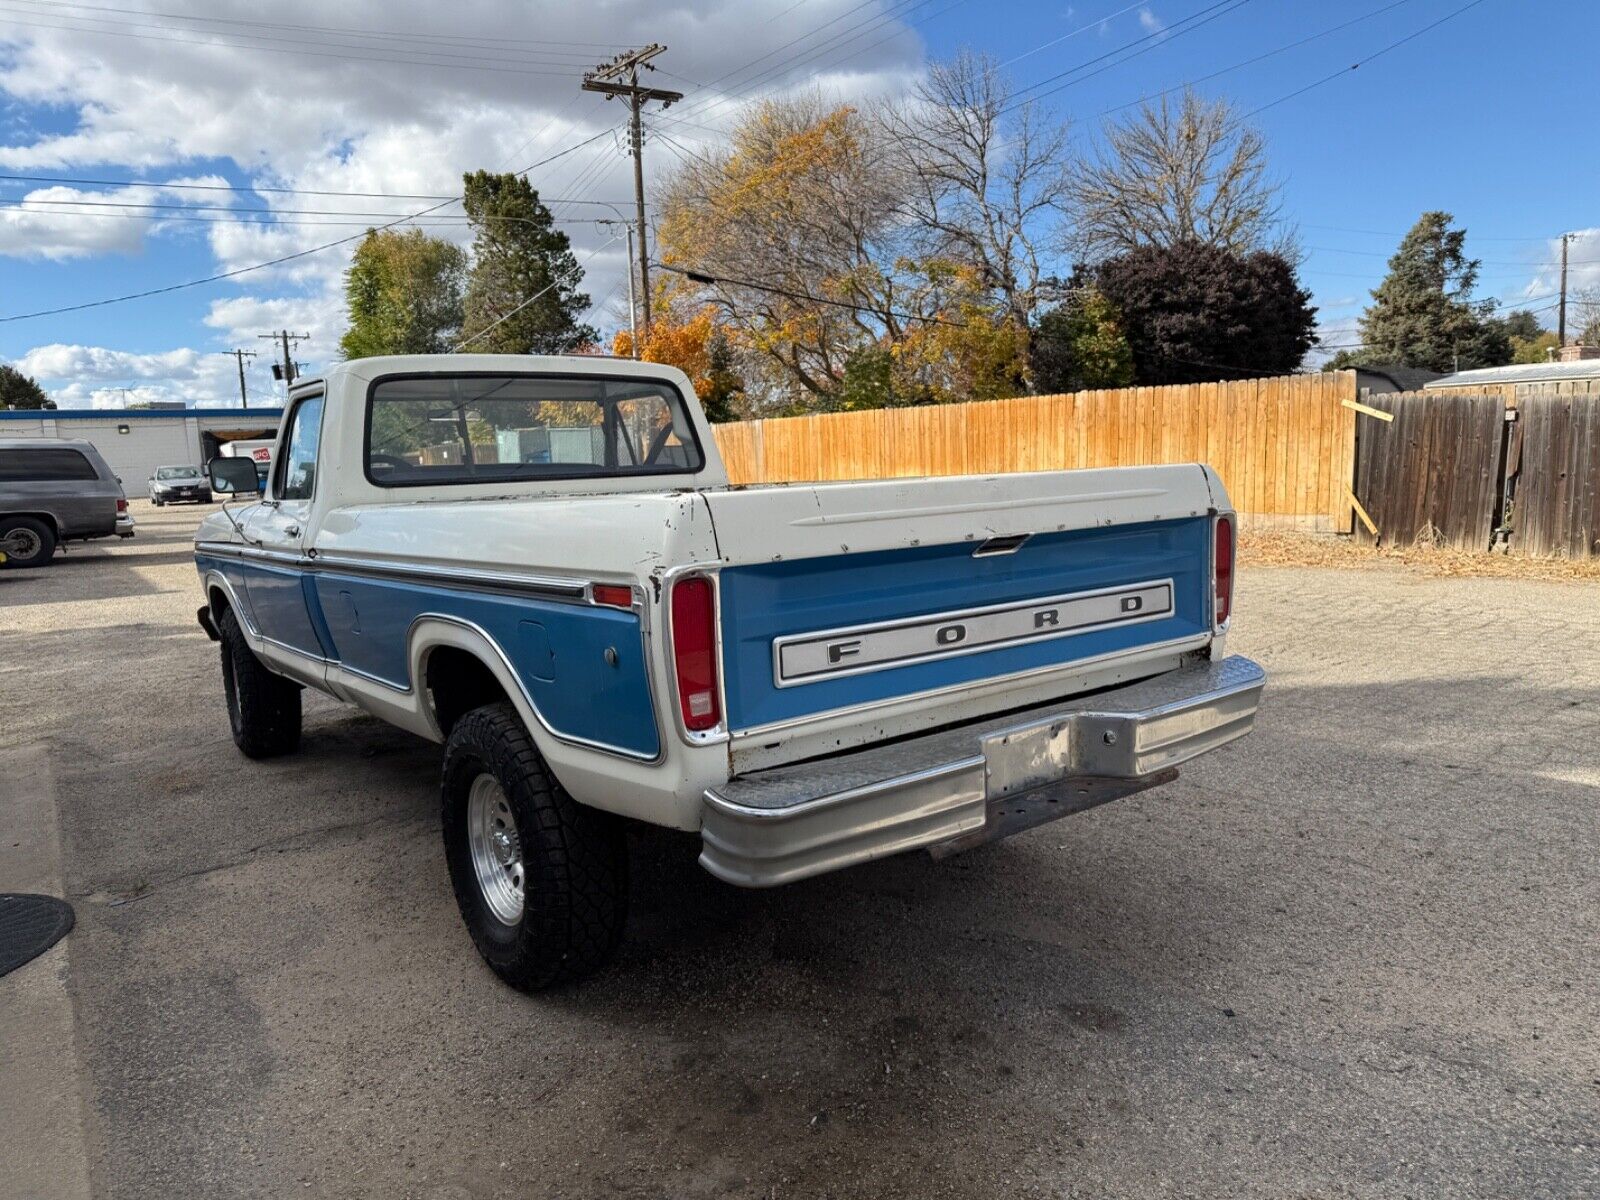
<point>984,191</point>
<point>802,205</point>
<point>1172,173</point>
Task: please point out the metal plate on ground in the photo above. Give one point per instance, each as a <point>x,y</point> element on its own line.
<point>30,925</point>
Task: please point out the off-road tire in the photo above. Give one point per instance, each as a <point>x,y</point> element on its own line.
<point>40,530</point>
<point>263,708</point>
<point>575,866</point>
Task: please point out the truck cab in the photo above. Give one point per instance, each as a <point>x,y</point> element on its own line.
<point>540,563</point>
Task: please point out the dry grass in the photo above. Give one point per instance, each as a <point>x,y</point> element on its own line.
<point>1281,548</point>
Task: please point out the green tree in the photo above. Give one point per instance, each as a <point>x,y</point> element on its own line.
<point>868,380</point>
<point>522,293</point>
<point>1079,344</point>
<point>1537,349</point>
<point>21,390</point>
<point>1194,312</point>
<point>724,389</point>
<point>1423,314</point>
<point>404,292</point>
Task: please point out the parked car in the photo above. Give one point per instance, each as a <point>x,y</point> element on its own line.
<point>171,484</point>
<point>55,490</point>
<point>599,627</point>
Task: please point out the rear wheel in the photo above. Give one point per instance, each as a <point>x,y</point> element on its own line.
<point>27,541</point>
<point>263,708</point>
<point>540,879</point>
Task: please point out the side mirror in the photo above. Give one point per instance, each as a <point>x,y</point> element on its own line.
<point>233,475</point>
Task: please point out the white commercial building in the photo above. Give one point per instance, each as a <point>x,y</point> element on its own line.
<point>135,441</point>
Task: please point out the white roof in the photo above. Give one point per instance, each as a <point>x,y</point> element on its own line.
<point>1588,368</point>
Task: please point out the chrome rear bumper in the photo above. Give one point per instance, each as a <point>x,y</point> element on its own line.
<point>960,787</point>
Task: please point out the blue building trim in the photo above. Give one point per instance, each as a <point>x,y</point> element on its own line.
<point>136,414</point>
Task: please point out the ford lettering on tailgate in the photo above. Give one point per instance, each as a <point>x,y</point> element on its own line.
<point>802,658</point>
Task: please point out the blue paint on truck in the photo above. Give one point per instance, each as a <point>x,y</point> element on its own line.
<point>773,600</point>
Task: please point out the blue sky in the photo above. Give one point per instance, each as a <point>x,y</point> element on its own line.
<point>1482,116</point>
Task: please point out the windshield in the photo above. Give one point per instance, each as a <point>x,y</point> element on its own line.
<point>177,473</point>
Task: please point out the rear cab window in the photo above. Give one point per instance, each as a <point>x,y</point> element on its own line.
<point>46,464</point>
<point>442,429</point>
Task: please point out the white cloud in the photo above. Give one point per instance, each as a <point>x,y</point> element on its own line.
<point>307,108</point>
<point>100,377</point>
<point>1150,23</point>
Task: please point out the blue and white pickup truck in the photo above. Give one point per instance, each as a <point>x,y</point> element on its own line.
<point>540,563</point>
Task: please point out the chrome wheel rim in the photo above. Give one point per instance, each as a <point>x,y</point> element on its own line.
<point>496,849</point>
<point>24,543</point>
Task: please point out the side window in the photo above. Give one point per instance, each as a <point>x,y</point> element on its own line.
<point>297,473</point>
<point>44,464</point>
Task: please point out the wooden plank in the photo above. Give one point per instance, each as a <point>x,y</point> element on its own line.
<point>1361,512</point>
<point>1368,410</point>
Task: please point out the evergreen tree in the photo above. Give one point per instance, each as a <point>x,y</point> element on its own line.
<point>522,294</point>
<point>724,388</point>
<point>21,390</point>
<point>1423,314</point>
<point>404,292</point>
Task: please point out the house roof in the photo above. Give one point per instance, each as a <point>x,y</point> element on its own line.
<point>1587,368</point>
<point>136,414</point>
<point>1400,379</point>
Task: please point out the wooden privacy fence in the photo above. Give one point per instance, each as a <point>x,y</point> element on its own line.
<point>1283,446</point>
<point>1553,476</point>
<point>1431,471</point>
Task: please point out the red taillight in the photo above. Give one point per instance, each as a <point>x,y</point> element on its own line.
<point>613,595</point>
<point>1222,558</point>
<point>694,652</point>
<point>122,506</point>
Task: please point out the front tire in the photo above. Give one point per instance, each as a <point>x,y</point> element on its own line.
<point>34,541</point>
<point>263,708</point>
<point>541,880</point>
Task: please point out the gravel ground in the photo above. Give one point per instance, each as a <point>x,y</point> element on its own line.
<point>1355,955</point>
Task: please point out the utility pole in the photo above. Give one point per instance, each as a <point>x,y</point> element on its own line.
<point>285,370</point>
<point>603,79</point>
<point>633,311</point>
<point>240,356</point>
<point>1561,326</point>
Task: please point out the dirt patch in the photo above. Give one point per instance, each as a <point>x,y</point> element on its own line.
<point>1283,548</point>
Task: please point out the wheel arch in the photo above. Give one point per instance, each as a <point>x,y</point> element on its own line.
<point>49,518</point>
<point>456,666</point>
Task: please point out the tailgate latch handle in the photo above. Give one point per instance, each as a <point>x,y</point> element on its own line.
<point>1008,543</point>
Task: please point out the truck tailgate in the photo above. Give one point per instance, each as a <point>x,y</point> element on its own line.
<point>845,598</point>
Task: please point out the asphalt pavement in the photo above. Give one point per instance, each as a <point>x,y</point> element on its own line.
<point>1356,955</point>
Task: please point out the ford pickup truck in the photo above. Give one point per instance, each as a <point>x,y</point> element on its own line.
<point>539,562</point>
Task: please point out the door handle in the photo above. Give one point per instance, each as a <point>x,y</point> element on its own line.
<point>292,530</point>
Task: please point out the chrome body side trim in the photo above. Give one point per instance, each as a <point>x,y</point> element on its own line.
<point>960,787</point>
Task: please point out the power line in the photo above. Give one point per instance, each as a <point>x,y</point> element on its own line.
<point>261,189</point>
<point>1248,62</point>
<point>391,34</point>
<point>712,280</point>
<point>476,67</point>
<point>1361,62</point>
<point>1134,49</point>
<point>1042,46</point>
<point>274,262</point>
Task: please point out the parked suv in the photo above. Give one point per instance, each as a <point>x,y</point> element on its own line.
<point>171,484</point>
<point>55,490</point>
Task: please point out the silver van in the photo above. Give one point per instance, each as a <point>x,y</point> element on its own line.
<point>55,490</point>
